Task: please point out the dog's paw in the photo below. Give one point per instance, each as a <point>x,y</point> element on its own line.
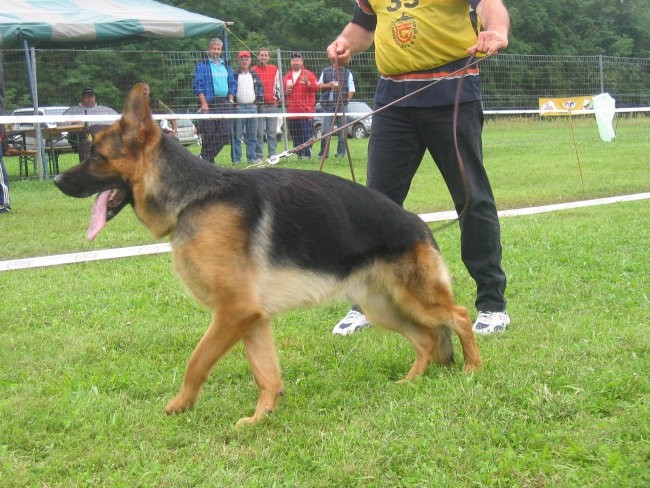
<point>472,367</point>
<point>253,420</point>
<point>178,405</point>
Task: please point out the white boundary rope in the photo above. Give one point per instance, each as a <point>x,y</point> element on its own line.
<point>82,257</point>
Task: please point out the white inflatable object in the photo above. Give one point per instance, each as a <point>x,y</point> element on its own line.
<point>605,108</point>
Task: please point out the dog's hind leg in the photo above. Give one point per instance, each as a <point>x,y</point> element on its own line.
<point>380,309</point>
<point>258,344</point>
<point>224,332</point>
<point>462,325</point>
<point>419,287</point>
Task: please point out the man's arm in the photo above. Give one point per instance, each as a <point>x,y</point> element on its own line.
<point>496,24</point>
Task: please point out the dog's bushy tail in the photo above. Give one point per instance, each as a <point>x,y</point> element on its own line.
<point>444,348</point>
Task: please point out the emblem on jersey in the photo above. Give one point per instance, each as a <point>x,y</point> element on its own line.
<point>405,31</point>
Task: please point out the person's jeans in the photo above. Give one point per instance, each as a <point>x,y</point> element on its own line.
<point>251,134</point>
<point>399,138</point>
<point>340,136</point>
<point>266,126</point>
<point>301,131</point>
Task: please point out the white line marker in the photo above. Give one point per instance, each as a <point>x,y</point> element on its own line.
<point>123,252</point>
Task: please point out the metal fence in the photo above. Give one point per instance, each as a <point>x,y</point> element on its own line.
<point>510,81</point>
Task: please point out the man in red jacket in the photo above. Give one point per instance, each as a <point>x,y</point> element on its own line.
<point>300,87</point>
<point>267,126</point>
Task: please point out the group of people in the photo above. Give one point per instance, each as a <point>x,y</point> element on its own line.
<point>258,89</point>
<point>445,119</point>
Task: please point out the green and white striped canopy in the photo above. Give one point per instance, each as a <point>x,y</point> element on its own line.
<point>60,23</point>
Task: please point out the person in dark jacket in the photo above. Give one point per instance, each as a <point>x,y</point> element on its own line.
<point>215,87</point>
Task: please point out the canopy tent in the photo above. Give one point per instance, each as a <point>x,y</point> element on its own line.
<point>93,23</point>
<point>62,23</point>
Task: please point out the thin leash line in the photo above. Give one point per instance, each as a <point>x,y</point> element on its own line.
<point>313,140</point>
<point>459,157</point>
<point>339,103</point>
<point>469,64</point>
<point>575,146</point>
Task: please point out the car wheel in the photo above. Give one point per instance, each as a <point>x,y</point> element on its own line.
<point>359,131</point>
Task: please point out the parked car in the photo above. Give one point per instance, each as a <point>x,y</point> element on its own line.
<point>186,132</point>
<point>354,111</point>
<point>60,140</point>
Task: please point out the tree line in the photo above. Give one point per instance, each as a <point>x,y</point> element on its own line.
<point>554,27</point>
<point>615,28</point>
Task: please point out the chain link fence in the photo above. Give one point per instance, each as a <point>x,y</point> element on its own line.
<point>510,81</point>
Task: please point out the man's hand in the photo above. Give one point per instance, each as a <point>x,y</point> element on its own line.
<point>352,40</point>
<point>489,42</point>
<point>339,52</point>
<point>496,24</point>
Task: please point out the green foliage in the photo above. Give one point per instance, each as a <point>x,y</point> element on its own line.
<point>580,27</point>
<point>570,27</point>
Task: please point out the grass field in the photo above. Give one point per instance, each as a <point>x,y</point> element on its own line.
<point>91,352</point>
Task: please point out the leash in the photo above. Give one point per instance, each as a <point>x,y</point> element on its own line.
<point>472,61</point>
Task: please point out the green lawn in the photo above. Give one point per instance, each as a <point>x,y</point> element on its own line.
<point>91,352</point>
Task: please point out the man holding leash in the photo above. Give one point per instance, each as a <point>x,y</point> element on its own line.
<point>418,44</point>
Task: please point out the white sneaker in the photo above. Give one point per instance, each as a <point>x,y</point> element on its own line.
<point>353,322</point>
<point>489,322</point>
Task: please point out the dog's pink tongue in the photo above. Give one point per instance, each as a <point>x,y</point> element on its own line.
<point>98,215</point>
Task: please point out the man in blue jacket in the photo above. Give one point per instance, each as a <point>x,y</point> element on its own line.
<point>215,87</point>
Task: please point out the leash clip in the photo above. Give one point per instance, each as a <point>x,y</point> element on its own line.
<point>275,159</point>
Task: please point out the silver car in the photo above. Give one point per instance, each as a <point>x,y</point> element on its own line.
<point>186,132</point>
<point>355,111</point>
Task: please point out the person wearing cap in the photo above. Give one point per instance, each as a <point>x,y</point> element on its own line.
<point>431,44</point>
<point>215,87</point>
<point>267,126</point>
<point>250,92</point>
<point>88,106</point>
<point>300,86</point>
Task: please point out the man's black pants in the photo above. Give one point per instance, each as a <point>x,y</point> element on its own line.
<point>398,140</point>
<point>216,133</point>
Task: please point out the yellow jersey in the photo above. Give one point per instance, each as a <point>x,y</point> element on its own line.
<point>417,35</point>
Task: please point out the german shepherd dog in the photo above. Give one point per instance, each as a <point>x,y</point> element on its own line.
<point>252,243</point>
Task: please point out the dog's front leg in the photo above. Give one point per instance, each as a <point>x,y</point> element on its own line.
<point>221,336</point>
<point>258,343</point>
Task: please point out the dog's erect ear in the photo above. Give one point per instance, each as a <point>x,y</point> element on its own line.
<point>136,109</point>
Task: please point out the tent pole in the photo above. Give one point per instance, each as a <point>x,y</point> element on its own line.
<point>40,165</point>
